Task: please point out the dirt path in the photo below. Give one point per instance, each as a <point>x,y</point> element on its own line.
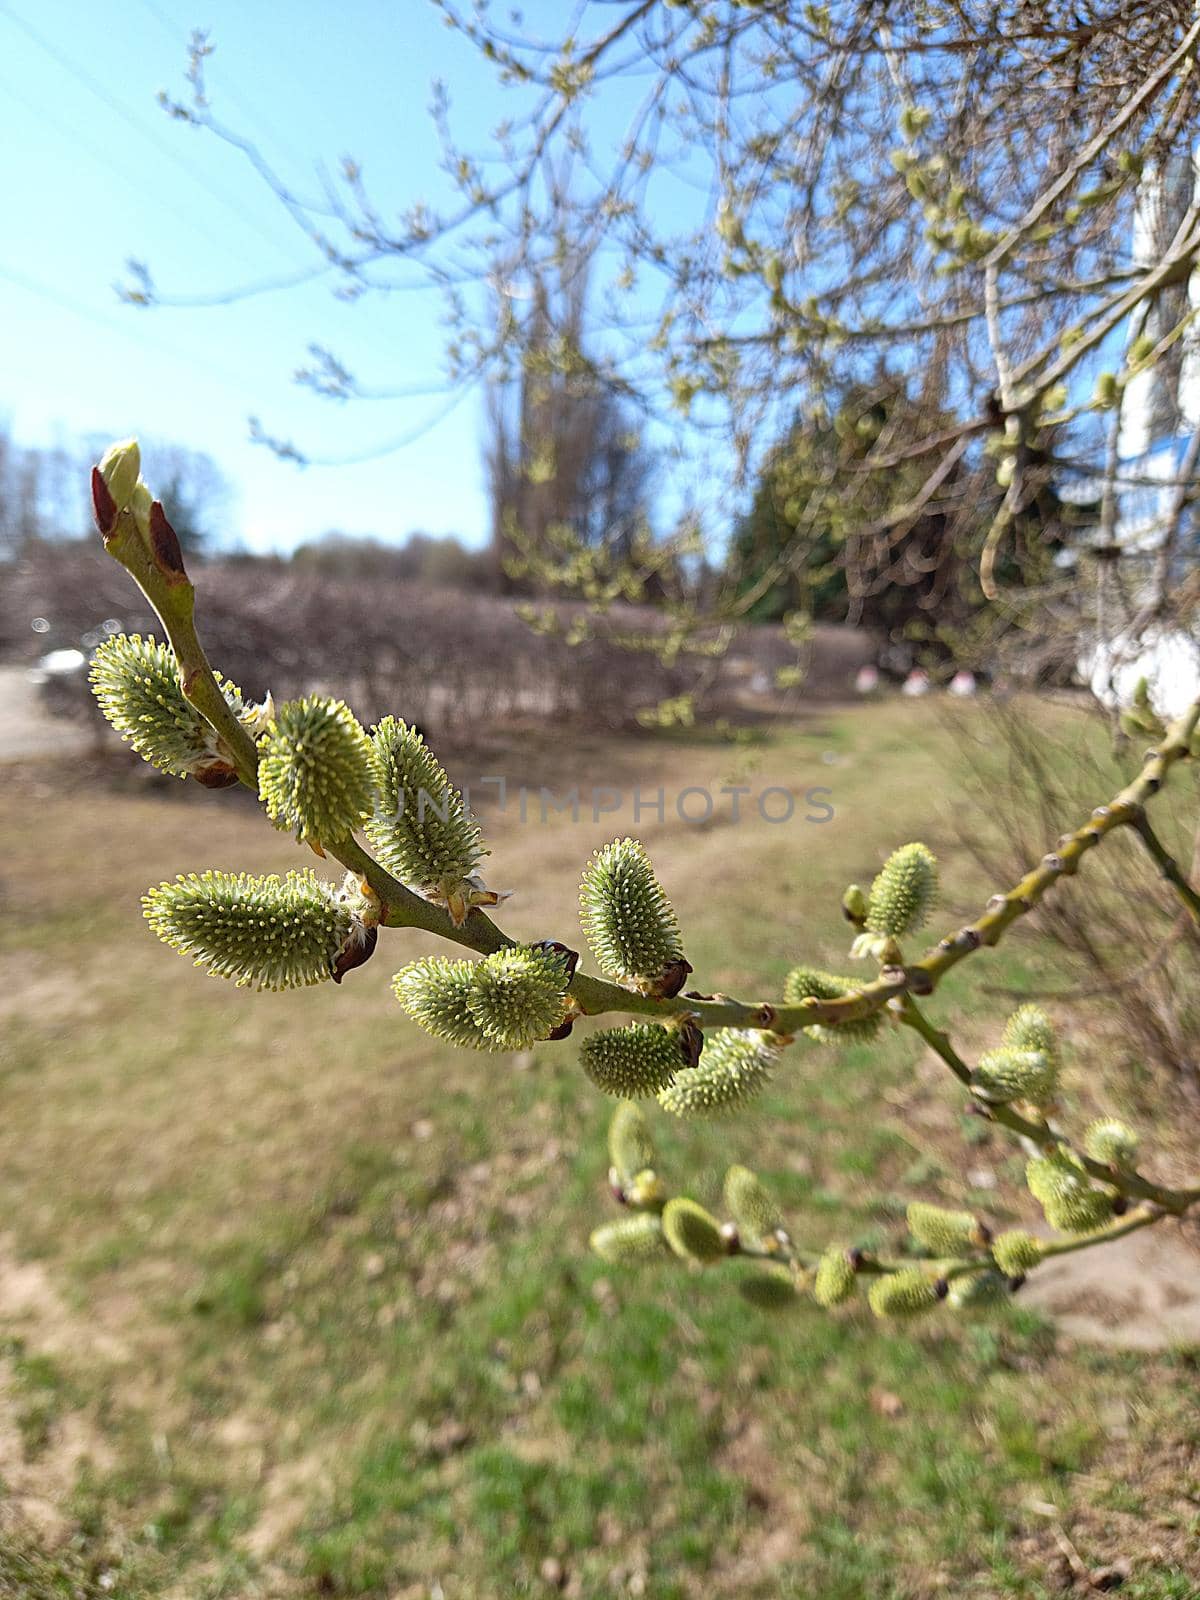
<point>1138,1293</point>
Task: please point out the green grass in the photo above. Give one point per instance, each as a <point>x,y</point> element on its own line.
<point>317,1308</point>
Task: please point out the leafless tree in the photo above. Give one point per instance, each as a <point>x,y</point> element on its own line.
<point>802,191</point>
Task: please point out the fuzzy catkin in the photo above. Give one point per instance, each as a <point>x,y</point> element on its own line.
<point>434,991</point>
<point>1111,1141</point>
<point>629,1240</point>
<point>735,1066</point>
<point>943,1233</point>
<point>631,1062</point>
<point>421,830</point>
<point>904,892</point>
<point>1016,1252</point>
<point>271,933</point>
<point>1066,1195</point>
<point>136,683</point>
<point>314,772</point>
<point>811,983</point>
<point>517,995</point>
<point>692,1232</point>
<point>1009,1073</point>
<point>626,917</point>
<point>835,1279</point>
<point>751,1206</point>
<point>906,1293</point>
<point>630,1147</point>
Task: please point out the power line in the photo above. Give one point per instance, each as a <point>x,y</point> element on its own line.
<point>79,144</point>
<point>82,76</point>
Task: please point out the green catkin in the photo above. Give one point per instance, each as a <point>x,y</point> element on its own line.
<point>314,770</point>
<point>904,892</point>
<point>626,917</point>
<point>1007,1074</point>
<point>735,1066</point>
<point>692,1232</point>
<point>517,995</point>
<point>836,1279</point>
<point>632,1062</point>
<point>943,1233</point>
<point>1016,1252</point>
<point>630,1147</point>
<point>434,991</point>
<point>1066,1196</point>
<point>1111,1141</point>
<point>810,983</point>
<point>750,1205</point>
<point>978,1291</point>
<point>1029,1028</point>
<point>630,1240</point>
<point>272,933</point>
<point>903,1294</point>
<point>769,1289</point>
<point>421,830</point>
<point>136,682</point>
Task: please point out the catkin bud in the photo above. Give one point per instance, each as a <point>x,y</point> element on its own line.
<point>627,919</point>
<point>1107,391</point>
<point>121,467</point>
<point>421,830</point>
<point>809,983</point>
<point>769,1289</point>
<point>273,933</point>
<point>854,905</point>
<point>1066,1196</point>
<point>136,682</point>
<point>692,1232</point>
<point>836,1279</point>
<point>629,1240</point>
<point>904,892</point>
<point>913,120</point>
<point>978,1291</point>
<point>517,995</point>
<point>735,1066</point>
<point>1029,1028</point>
<point>903,1294</point>
<point>1111,1141</point>
<point>1007,1074</point>
<point>943,1233</point>
<point>314,772</point>
<point>434,992</point>
<point>632,1062</point>
<point>750,1205</point>
<point>630,1147</point>
<point>1016,1252</point>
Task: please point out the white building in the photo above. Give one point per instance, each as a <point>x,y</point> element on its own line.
<point>1160,411</point>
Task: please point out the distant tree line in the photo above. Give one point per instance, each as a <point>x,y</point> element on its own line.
<point>42,492</point>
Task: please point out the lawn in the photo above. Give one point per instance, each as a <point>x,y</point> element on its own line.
<point>296,1301</point>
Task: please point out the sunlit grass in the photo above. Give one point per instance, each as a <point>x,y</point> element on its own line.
<point>319,1307</point>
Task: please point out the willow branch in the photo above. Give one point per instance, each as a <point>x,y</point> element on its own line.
<point>1167,864</point>
<point>157,567</point>
<point>1126,1182</point>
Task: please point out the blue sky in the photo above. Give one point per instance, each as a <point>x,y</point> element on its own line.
<point>97,173</point>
